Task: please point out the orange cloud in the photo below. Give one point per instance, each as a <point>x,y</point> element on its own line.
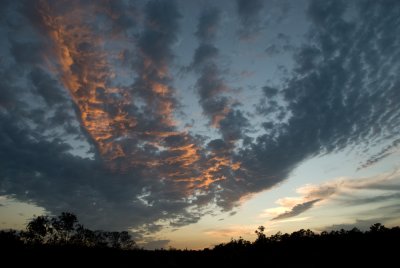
<point>86,69</point>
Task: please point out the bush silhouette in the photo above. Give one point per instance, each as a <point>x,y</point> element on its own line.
<point>65,230</point>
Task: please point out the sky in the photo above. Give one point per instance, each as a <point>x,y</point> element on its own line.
<point>193,122</point>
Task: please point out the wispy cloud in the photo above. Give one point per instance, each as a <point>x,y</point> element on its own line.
<point>234,231</point>
<point>297,210</point>
<point>345,191</point>
<point>385,152</point>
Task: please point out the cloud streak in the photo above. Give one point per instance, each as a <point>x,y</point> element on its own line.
<point>345,191</point>
<point>297,210</point>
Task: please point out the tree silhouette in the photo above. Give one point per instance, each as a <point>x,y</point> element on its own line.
<point>64,226</point>
<point>63,237</point>
<point>38,230</point>
<point>84,237</point>
<point>261,237</point>
<point>126,241</point>
<point>10,238</point>
<point>377,227</point>
<point>66,230</point>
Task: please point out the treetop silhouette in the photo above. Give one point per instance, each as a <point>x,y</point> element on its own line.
<point>66,230</point>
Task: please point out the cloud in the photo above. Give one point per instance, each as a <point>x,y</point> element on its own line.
<point>331,102</point>
<point>136,162</point>
<point>374,199</point>
<point>234,125</point>
<point>233,231</point>
<point>210,84</point>
<point>385,181</point>
<point>297,210</point>
<point>385,152</point>
<point>203,54</point>
<point>208,22</point>
<point>41,168</point>
<point>249,14</point>
<point>25,53</point>
<point>344,191</point>
<point>218,108</point>
<point>156,244</point>
<point>88,118</point>
<point>46,87</point>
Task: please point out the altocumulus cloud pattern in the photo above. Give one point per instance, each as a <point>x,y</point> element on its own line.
<point>112,110</point>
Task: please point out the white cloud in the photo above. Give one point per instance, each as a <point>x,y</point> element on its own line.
<point>342,189</point>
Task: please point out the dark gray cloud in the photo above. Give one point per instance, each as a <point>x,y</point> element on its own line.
<point>341,94</point>
<point>161,19</point>
<point>220,111</point>
<point>211,85</point>
<point>374,199</point>
<point>248,9</point>
<point>270,92</point>
<point>385,152</point>
<point>26,52</point>
<point>123,16</point>
<point>218,145</point>
<point>203,54</point>
<point>46,87</point>
<point>249,12</point>
<point>297,210</point>
<point>273,50</point>
<point>208,23</point>
<point>154,57</point>
<point>234,125</point>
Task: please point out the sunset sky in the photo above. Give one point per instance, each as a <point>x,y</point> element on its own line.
<point>193,122</point>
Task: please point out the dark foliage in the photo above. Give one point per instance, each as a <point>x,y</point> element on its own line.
<point>67,242</point>
<point>64,231</point>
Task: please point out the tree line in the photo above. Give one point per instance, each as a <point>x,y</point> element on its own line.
<point>64,238</point>
<point>65,230</point>
<point>377,232</point>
